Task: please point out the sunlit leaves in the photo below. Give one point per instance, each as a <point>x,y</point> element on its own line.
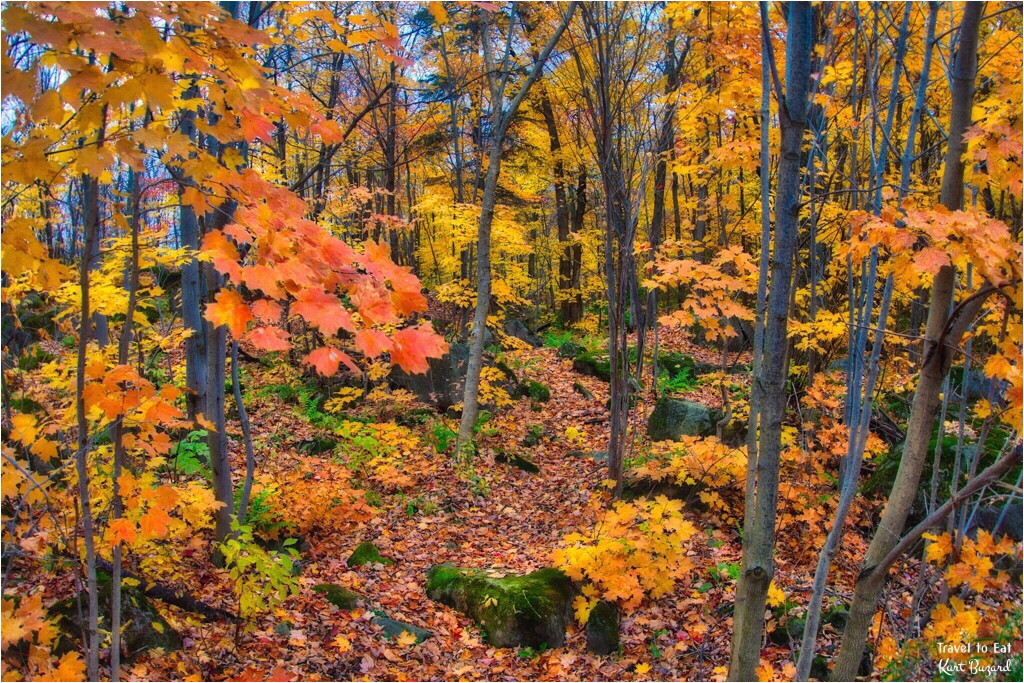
<point>229,309</point>
<point>326,360</point>
<point>638,549</point>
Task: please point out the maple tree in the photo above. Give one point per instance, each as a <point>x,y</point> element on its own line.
<point>713,310</point>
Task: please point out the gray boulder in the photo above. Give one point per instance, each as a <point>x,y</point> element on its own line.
<point>673,418</point>
<point>994,520</point>
<point>516,328</point>
<point>443,383</point>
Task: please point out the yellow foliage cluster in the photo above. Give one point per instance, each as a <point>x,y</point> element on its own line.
<point>389,454</point>
<point>24,621</point>
<point>719,469</point>
<point>638,549</point>
<point>973,613</point>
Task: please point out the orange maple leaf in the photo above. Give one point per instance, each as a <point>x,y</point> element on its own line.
<point>269,338</point>
<point>323,310</point>
<point>414,345</point>
<point>326,360</point>
<point>122,531</point>
<point>229,309</point>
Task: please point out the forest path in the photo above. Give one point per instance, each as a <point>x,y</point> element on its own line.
<point>492,515</point>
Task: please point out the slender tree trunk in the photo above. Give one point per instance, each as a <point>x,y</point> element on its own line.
<point>759,545</point>
<point>117,511</point>
<point>250,454</point>
<point>936,361</point>
<point>90,194</point>
<point>499,124</point>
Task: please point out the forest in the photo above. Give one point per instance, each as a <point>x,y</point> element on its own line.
<point>512,341</point>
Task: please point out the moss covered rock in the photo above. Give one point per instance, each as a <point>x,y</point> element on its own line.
<point>593,365</point>
<point>535,390</point>
<point>603,628</point>
<point>675,363</point>
<point>517,460</point>
<point>580,389</point>
<point>142,626</point>
<point>673,418</point>
<point>570,350</point>
<point>366,553</point>
<point>393,628</point>
<point>514,611</point>
<point>534,434</point>
<point>337,595</point>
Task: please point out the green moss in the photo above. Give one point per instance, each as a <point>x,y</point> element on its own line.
<point>513,611</point>
<point>534,433</point>
<point>34,358</point>
<point>509,373</point>
<point>26,405</point>
<point>337,596</point>
<point>365,553</point>
<point>593,364</point>
<point>675,363</point>
<point>536,391</point>
<point>570,350</point>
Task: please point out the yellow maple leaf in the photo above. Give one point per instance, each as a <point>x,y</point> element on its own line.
<point>939,548</point>
<point>643,668</point>
<point>406,639</point>
<point>776,596</point>
<point>342,643</point>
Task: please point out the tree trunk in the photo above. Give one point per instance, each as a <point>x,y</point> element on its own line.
<point>90,196</point>
<point>499,124</point>
<point>936,361</point>
<point>759,544</point>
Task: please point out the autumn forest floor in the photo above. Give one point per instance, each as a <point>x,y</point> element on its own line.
<point>426,510</point>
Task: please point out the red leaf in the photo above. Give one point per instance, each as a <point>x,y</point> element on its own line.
<point>323,310</point>
<point>931,259</point>
<point>230,310</point>
<point>269,339</point>
<point>414,345</point>
<point>262,277</point>
<point>372,343</point>
<point>222,253</point>
<point>326,359</point>
<point>266,310</point>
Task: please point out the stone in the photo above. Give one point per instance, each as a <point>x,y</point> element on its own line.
<point>516,460</point>
<point>516,328</point>
<point>535,390</point>
<point>534,434</point>
<point>393,628</point>
<point>337,595</point>
<point>317,445</point>
<point>531,610</point>
<point>570,350</point>
<point>600,456</point>
<point>593,365</point>
<point>992,519</point>
<point>366,553</point>
<point>673,418</point>
<point>142,626</point>
<point>603,628</point>
<point>583,391</point>
<point>744,338</point>
<point>443,383</point>
<point>283,628</point>
<point>790,631</point>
